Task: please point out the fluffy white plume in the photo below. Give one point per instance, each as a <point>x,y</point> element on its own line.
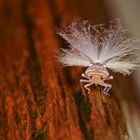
<point>110,45</point>
<point>72,57</point>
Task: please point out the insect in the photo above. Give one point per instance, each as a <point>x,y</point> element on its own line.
<point>99,48</point>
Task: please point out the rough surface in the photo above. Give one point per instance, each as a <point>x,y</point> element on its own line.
<point>39,99</point>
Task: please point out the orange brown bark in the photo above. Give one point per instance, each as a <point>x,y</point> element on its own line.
<point>39,99</point>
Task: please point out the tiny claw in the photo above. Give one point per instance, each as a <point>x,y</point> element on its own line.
<point>106,93</point>
<point>88,92</point>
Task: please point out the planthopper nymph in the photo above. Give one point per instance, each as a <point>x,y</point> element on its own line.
<point>99,48</point>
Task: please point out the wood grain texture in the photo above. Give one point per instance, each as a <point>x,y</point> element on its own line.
<point>39,99</point>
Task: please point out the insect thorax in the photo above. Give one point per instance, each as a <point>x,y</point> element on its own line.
<point>97,69</point>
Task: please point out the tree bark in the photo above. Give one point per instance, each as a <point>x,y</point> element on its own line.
<point>39,99</point>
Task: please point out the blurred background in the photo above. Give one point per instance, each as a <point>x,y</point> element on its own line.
<point>38,98</point>
<point>128,11</point>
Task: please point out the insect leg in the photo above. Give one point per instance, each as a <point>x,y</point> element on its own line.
<point>106,89</point>
<point>83,75</point>
<point>84,81</point>
<point>87,87</point>
<point>108,78</point>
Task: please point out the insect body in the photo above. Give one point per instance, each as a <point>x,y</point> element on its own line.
<point>99,48</point>
<point>96,74</point>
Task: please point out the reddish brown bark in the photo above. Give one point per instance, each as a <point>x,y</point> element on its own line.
<point>39,99</point>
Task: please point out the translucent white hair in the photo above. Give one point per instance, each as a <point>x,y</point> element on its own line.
<point>110,45</point>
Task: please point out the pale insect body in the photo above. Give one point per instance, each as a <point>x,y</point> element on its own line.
<point>97,74</point>
<point>99,48</point>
